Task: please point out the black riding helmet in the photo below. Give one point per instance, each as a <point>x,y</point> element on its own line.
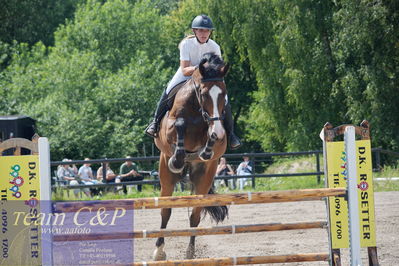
<point>202,22</point>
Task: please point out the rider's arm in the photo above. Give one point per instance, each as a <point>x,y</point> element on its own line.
<point>187,68</point>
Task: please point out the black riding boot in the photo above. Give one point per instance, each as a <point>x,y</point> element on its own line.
<point>228,123</point>
<point>162,108</point>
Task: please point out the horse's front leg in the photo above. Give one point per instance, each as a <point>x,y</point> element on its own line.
<point>176,162</point>
<point>168,182</point>
<point>207,152</point>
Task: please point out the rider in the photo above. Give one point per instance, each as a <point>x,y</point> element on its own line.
<point>191,51</point>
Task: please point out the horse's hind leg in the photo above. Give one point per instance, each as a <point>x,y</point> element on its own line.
<point>168,181</point>
<point>194,222</point>
<point>202,179</point>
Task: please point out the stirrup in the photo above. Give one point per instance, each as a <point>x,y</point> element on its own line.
<point>152,130</point>
<point>234,141</point>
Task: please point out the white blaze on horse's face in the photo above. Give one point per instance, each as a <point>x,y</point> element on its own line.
<point>217,127</point>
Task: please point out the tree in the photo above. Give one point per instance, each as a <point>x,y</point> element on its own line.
<point>114,30</point>
<point>366,38</point>
<point>30,21</point>
<point>92,93</point>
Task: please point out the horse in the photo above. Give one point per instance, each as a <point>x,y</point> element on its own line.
<point>191,140</point>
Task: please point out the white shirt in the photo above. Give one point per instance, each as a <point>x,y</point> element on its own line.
<point>244,168</point>
<point>85,172</point>
<point>191,50</point>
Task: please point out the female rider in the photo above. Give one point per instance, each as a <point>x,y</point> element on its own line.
<point>191,51</point>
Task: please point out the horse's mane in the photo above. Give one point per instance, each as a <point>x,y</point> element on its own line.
<point>212,65</point>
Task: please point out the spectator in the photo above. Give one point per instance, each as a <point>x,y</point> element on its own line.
<point>225,169</point>
<point>244,168</point>
<point>86,175</point>
<point>129,172</point>
<point>70,175</point>
<point>110,176</point>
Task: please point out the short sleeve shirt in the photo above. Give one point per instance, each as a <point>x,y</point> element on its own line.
<point>61,172</point>
<point>191,50</point>
<point>84,172</point>
<point>126,169</point>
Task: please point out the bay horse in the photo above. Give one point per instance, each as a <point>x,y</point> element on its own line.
<point>191,140</point>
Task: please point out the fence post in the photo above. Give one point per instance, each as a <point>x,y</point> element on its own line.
<point>378,159</point>
<point>104,172</point>
<point>318,167</point>
<point>253,171</point>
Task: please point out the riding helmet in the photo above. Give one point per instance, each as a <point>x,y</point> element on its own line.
<point>202,22</point>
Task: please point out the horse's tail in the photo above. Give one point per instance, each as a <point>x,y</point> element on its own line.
<point>217,213</point>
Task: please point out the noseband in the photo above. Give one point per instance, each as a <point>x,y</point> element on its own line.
<point>205,115</point>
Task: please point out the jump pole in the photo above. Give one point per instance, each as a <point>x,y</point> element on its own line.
<point>203,200</point>
<point>216,230</point>
<point>245,260</point>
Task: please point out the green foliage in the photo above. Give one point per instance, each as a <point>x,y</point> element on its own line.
<point>115,31</point>
<point>32,21</point>
<point>92,85</point>
<point>314,61</point>
<point>126,113</point>
<point>93,92</point>
<point>366,45</point>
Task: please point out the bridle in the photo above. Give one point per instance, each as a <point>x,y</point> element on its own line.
<point>205,115</point>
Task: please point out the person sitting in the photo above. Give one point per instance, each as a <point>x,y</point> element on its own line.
<point>225,169</point>
<point>129,172</point>
<point>110,176</point>
<point>192,49</point>
<point>70,175</point>
<point>244,168</point>
<point>86,176</point>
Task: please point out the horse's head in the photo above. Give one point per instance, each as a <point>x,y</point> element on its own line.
<point>211,91</point>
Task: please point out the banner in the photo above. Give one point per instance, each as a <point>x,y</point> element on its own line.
<point>20,210</point>
<point>336,177</point>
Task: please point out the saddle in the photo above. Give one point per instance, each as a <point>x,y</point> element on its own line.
<point>173,92</point>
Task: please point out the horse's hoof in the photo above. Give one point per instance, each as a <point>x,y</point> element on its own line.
<point>172,168</point>
<point>205,156</point>
<point>190,253</point>
<point>159,254</point>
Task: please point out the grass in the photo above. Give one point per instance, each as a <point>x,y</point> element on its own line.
<point>284,165</point>
<point>389,184</point>
<point>148,191</point>
<point>288,165</point>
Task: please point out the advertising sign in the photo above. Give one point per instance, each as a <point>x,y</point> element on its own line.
<point>337,176</point>
<point>20,211</point>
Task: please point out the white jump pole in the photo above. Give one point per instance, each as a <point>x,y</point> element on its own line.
<point>45,200</point>
<point>351,167</point>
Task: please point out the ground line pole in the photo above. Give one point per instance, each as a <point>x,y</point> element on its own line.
<point>351,167</point>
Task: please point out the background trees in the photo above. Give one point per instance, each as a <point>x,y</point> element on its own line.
<point>91,72</point>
